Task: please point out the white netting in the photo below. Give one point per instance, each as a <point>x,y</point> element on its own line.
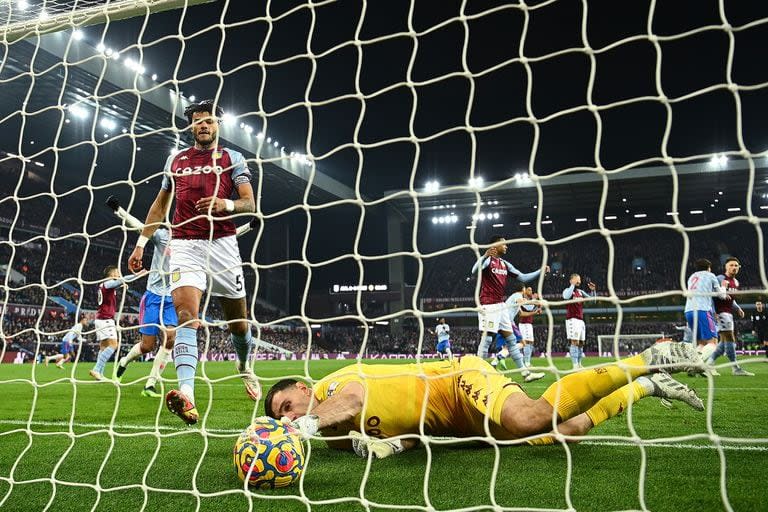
<point>95,112</point>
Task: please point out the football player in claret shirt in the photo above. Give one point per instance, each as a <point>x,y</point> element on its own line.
<point>106,329</point>
<point>209,184</point>
<point>494,314</point>
<point>575,328</point>
<point>382,409</point>
<point>724,309</point>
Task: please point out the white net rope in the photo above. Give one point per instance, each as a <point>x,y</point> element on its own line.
<point>101,99</point>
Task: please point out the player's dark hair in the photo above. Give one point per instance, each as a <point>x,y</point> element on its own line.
<point>702,264</point>
<point>108,270</point>
<point>496,238</point>
<point>279,386</point>
<point>203,106</point>
<point>732,258</point>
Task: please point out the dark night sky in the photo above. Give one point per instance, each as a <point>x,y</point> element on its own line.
<point>703,124</point>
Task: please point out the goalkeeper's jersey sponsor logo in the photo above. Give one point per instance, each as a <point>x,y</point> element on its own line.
<point>331,388</point>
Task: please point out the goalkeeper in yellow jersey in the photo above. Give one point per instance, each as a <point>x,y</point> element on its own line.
<point>378,408</point>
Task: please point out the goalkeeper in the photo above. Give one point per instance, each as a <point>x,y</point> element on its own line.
<point>378,408</point>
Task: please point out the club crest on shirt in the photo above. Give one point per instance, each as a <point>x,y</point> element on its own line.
<point>216,155</point>
<point>176,275</point>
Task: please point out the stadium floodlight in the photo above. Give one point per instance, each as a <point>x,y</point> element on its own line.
<point>227,118</point>
<point>610,217</point>
<point>671,214</point>
<point>242,126</point>
<point>495,215</point>
<point>248,129</point>
<point>498,225</point>
<point>734,209</point>
<point>260,135</point>
<point>476,182</point>
<point>44,15</point>
<point>124,130</point>
<point>78,34</point>
<point>192,98</point>
<point>623,199</point>
<point>432,186</point>
<point>697,212</point>
<point>764,207</point>
<point>78,111</point>
<point>276,144</point>
<point>22,5</point>
<point>269,140</point>
<point>108,52</point>
<point>640,215</point>
<point>581,219</point>
<point>525,223</point>
<point>546,222</point>
<point>107,123</point>
<point>441,220</point>
<point>154,77</point>
<point>138,148</point>
<point>100,47</point>
<point>720,193</point>
<point>434,220</point>
<point>481,216</point>
<point>711,205</point>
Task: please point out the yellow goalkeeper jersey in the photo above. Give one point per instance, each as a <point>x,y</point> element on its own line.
<point>446,398</point>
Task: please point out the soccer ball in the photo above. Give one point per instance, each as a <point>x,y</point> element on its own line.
<point>269,454</point>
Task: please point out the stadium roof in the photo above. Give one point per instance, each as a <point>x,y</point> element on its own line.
<point>635,191</point>
<point>134,104</point>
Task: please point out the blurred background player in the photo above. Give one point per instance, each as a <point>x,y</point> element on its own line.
<point>156,312</point>
<point>699,307</point>
<point>204,256</point>
<point>525,323</point>
<point>442,331</point>
<point>575,328</point>
<point>760,325</point>
<point>724,309</point>
<point>503,350</point>
<point>494,316</point>
<point>67,344</point>
<point>104,325</point>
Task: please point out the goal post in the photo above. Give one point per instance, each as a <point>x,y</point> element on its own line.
<point>612,345</point>
<point>49,17</point>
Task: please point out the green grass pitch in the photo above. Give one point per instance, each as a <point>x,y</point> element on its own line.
<point>140,456</point>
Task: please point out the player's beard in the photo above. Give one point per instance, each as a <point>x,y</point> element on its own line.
<point>208,143</point>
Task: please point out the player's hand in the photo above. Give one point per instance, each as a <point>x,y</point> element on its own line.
<point>134,260</point>
<point>307,425</point>
<point>546,269</point>
<point>741,313</point>
<point>491,252</point>
<point>380,448</point>
<point>592,286</point>
<point>216,204</point>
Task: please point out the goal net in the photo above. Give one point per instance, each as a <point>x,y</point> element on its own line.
<point>611,143</point>
<point>623,345</point>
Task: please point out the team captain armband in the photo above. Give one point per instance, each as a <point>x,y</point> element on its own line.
<point>242,179</point>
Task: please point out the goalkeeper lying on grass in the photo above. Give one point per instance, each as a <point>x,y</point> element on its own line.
<point>377,406</point>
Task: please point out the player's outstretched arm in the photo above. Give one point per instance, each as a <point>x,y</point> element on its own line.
<point>155,216</point>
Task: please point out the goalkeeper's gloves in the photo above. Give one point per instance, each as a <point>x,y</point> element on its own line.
<point>380,448</point>
<point>307,425</point>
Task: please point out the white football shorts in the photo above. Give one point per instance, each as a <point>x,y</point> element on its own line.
<point>105,329</point>
<point>575,329</point>
<point>213,265</point>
